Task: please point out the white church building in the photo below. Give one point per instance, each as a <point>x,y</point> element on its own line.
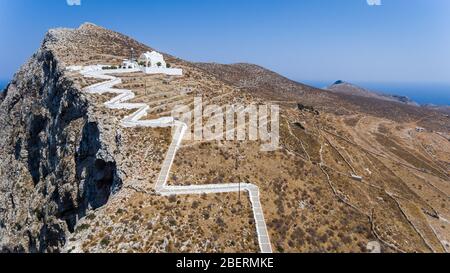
<point>153,63</point>
<point>127,64</point>
<point>152,59</point>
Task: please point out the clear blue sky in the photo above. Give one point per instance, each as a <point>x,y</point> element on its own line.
<point>309,40</point>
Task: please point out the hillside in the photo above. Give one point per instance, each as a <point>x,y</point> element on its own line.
<point>349,172</point>
<point>272,86</point>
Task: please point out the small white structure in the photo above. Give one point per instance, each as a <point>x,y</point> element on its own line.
<point>153,63</point>
<point>74,68</point>
<point>356,177</point>
<point>128,64</point>
<point>420,129</point>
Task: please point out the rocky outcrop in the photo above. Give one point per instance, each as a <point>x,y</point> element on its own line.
<point>54,163</point>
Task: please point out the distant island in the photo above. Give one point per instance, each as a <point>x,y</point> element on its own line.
<point>352,89</point>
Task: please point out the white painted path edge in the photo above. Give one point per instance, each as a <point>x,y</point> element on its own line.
<point>161,187</point>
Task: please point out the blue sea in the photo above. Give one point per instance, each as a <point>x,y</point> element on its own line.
<point>422,93</point>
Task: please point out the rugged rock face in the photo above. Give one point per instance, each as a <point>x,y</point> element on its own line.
<point>54,166</point>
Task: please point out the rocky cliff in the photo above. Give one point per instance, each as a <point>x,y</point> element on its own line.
<point>54,163</point>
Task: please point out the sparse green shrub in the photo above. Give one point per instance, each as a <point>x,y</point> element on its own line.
<point>120,211</point>
<point>220,222</point>
<point>109,67</point>
<point>205,215</point>
<point>172,198</point>
<point>82,227</point>
<point>105,241</point>
<point>195,204</point>
<point>90,216</point>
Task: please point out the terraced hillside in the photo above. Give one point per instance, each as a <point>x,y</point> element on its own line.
<point>77,181</point>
